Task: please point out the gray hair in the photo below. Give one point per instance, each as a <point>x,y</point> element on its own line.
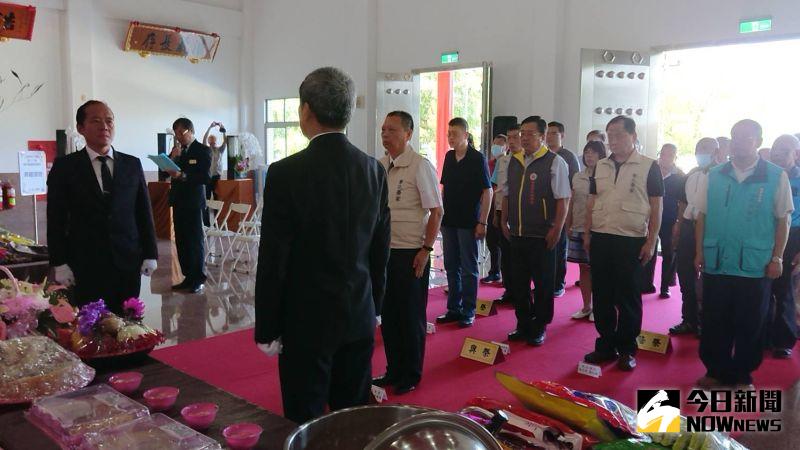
<point>329,93</point>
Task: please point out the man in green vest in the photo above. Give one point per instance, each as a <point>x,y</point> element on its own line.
<point>741,234</point>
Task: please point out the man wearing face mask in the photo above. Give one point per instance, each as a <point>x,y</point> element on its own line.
<point>782,335</point>
<point>683,235</point>
<point>554,140</point>
<point>741,235</point>
<point>493,233</point>
<point>498,180</point>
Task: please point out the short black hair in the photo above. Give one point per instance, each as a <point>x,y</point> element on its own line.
<point>597,132</point>
<point>80,116</point>
<point>558,125</point>
<point>513,127</point>
<point>750,123</point>
<point>330,93</point>
<point>405,119</point>
<point>184,123</point>
<point>541,124</point>
<point>459,122</point>
<point>627,123</point>
<point>594,146</point>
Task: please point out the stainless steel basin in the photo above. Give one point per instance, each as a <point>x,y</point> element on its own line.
<point>435,431</point>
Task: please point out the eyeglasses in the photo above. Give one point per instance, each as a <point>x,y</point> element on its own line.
<point>529,133</point>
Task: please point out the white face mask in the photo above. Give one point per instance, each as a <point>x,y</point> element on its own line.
<point>497,150</point>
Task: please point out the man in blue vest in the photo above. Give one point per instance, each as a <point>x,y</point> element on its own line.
<point>783,332</point>
<point>536,198</point>
<point>741,234</point>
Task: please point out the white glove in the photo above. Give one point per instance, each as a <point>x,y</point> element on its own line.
<point>378,321</point>
<point>64,275</point>
<point>272,348</point>
<point>149,266</point>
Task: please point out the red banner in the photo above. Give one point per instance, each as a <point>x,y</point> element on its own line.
<point>16,21</point>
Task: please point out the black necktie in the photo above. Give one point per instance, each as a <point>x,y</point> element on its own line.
<point>105,174</point>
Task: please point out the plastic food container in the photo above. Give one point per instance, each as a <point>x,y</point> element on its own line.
<point>153,432</point>
<point>67,418</point>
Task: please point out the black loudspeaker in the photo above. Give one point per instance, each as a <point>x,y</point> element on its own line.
<point>61,143</point>
<point>500,124</point>
<point>162,148</point>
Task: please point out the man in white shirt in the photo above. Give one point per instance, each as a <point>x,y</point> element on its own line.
<point>416,214</point>
<point>683,235</point>
<point>498,180</point>
<point>99,220</point>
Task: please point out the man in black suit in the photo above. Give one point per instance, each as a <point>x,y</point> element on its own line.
<point>323,255</point>
<point>99,219</point>
<point>187,196</point>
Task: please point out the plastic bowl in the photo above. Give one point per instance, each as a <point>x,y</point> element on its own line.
<point>126,382</point>
<point>242,436</point>
<point>200,415</point>
<point>161,398</point>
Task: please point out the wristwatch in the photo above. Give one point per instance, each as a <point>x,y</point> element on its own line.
<point>429,249</point>
<point>777,259</point>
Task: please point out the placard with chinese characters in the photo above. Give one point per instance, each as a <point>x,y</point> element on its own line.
<point>653,342</point>
<point>485,307</point>
<point>172,41</point>
<point>16,21</point>
<point>481,351</point>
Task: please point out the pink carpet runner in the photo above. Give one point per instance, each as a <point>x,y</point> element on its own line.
<point>233,363</point>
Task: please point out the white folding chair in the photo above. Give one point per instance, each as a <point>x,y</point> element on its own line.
<point>241,209</point>
<point>217,235</point>
<point>252,226</point>
<point>215,206</point>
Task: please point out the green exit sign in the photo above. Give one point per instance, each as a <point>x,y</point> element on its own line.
<point>449,58</point>
<point>754,26</point>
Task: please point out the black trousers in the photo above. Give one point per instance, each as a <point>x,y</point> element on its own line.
<point>734,316</point>
<point>493,237</point>
<point>532,260</point>
<point>188,223</point>
<point>687,274</point>
<point>783,332</point>
<point>310,380</point>
<point>506,267</point>
<point>404,323</point>
<point>668,262</point>
<point>109,283</point>
<point>616,291</point>
<point>561,262</point>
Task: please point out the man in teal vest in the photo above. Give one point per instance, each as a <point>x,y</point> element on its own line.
<point>536,197</point>
<point>782,335</point>
<point>741,234</point>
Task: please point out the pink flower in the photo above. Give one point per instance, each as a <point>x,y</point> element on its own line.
<point>63,312</point>
<point>133,308</point>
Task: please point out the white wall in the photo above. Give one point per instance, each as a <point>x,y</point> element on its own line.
<point>77,51</point>
<point>36,61</point>
<point>643,25</point>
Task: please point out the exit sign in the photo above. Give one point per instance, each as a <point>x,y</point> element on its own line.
<point>754,26</point>
<point>449,58</point>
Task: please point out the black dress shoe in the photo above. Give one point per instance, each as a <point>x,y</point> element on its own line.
<point>196,288</point>
<point>447,318</point>
<point>537,340</point>
<point>782,353</point>
<point>466,323</point>
<point>516,335</point>
<point>626,363</point>
<point>683,328</point>
<point>597,357</point>
<point>180,286</point>
<point>664,295</point>
<point>383,381</point>
<point>404,389</point>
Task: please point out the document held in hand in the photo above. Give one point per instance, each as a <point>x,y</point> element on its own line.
<point>164,163</point>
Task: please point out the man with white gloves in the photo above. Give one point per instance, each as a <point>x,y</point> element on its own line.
<point>100,230</point>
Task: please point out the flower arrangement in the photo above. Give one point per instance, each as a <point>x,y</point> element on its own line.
<point>101,333</point>
<point>22,304</point>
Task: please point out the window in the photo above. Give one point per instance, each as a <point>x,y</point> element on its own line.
<point>282,128</point>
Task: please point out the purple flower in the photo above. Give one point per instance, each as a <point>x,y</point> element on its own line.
<point>133,308</point>
<point>89,315</point>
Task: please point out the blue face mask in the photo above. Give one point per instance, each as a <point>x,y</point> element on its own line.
<point>703,160</point>
<point>497,150</point>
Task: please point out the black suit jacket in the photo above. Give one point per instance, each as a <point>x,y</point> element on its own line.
<point>324,246</point>
<point>195,162</point>
<point>84,229</point>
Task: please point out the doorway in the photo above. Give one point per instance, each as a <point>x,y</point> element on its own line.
<point>704,91</point>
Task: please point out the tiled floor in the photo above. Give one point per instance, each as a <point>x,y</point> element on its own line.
<point>226,305</point>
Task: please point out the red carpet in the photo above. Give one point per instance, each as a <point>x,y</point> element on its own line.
<point>233,363</point>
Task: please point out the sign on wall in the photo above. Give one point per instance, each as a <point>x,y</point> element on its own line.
<point>32,173</point>
<point>149,39</point>
<point>16,21</point>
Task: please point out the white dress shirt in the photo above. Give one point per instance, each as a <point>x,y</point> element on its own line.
<point>97,165</point>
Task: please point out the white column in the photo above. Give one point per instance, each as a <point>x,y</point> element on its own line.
<point>78,58</point>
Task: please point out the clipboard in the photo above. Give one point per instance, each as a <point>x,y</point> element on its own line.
<point>164,163</point>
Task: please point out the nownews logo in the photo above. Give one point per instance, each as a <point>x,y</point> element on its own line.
<point>659,411</point>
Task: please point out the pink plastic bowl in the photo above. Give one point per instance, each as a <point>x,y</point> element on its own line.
<point>161,398</point>
<point>242,436</point>
<point>126,382</point>
<point>200,415</point>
